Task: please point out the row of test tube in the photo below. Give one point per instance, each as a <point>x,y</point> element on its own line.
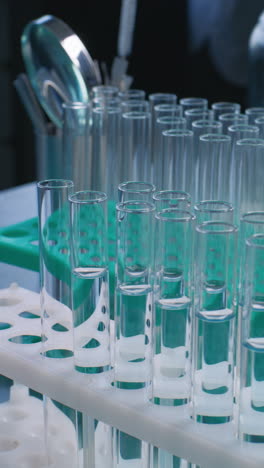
<point>187,146</point>
<point>186,321</point>
<point>188,296</point>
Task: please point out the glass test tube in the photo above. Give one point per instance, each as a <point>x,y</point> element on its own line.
<point>132,94</point>
<point>104,91</point>
<point>111,102</point>
<point>135,105</point>
<point>253,113</point>
<point>223,107</point>
<point>204,126</point>
<point>214,322</point>
<point>135,190</point>
<point>238,132</point>
<point>213,168</point>
<point>161,98</point>
<point>170,110</point>
<point>193,103</point>
<point>232,118</point>
<point>177,160</point>
<point>250,224</point>
<point>135,149</point>
<point>192,115</point>
<point>106,130</point>
<point>172,316</point>
<point>251,372</point>
<point>173,285</point>
<point>90,304</point>
<point>55,295</point>
<point>161,124</point>
<point>76,144</point>
<point>133,316</point>
<point>171,199</point>
<point>90,291</point>
<point>260,124</point>
<point>214,210</point>
<point>249,161</point>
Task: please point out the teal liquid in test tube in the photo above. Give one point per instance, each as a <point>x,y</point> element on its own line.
<point>214,322</point>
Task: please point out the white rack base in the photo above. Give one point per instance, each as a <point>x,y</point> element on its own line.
<point>210,446</point>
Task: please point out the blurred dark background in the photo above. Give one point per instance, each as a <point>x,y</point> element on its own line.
<point>161,61</point>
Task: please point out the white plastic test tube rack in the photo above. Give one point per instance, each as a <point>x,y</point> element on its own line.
<point>210,446</point>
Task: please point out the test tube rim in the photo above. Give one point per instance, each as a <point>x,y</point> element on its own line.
<point>53,184</point>
<point>146,207</point>
<point>191,100</point>
<point>98,197</point>
<point>150,188</point>
<point>229,228</point>
<point>215,138</point>
<point>229,207</point>
<point>255,142</point>
<point>245,216</point>
<point>243,126</point>
<point>167,192</point>
<point>206,122</point>
<point>175,132</point>
<point>189,216</point>
<point>250,241</point>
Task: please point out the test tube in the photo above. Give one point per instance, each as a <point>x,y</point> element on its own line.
<point>214,210</point>
<point>223,107</point>
<point>135,105</point>
<point>161,98</point>
<point>110,102</point>
<point>55,293</point>
<point>238,132</point>
<point>132,94</point>
<point>133,317</point>
<point>260,124</point>
<point>135,190</point>
<point>171,199</point>
<point>154,100</point>
<point>193,103</point>
<point>161,124</point>
<point>107,167</point>
<point>177,160</point>
<point>192,115</point>
<point>214,322</point>
<point>104,91</point>
<point>90,301</point>
<point>204,126</point>
<point>253,113</point>
<point>250,224</point>
<point>76,144</point>
<point>163,110</point>
<point>213,168</point>
<point>173,286</point>
<point>249,161</point>
<point>135,149</point>
<point>232,118</point>
<point>172,316</point>
<point>251,372</point>
<point>106,150</point>
<point>90,289</point>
